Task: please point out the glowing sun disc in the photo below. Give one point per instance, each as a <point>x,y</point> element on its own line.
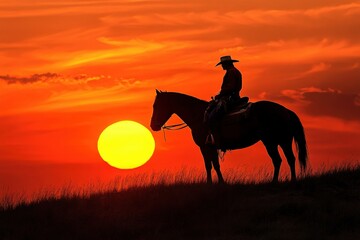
<point>126,144</point>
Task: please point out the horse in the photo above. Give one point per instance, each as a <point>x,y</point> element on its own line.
<point>266,121</point>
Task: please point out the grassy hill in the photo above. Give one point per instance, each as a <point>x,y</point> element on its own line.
<point>317,207</point>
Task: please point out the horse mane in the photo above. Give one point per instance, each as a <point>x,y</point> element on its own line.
<point>185,97</point>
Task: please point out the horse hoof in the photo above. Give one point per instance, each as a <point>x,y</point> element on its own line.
<point>222,182</point>
<point>274,182</point>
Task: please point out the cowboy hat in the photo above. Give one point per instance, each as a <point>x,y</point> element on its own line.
<point>226,59</point>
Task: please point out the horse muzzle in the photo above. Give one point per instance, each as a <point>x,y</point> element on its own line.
<point>155,127</point>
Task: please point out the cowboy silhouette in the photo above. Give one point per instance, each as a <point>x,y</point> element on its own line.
<point>228,96</point>
<point>232,81</point>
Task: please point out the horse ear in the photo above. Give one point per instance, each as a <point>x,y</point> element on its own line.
<point>157,91</point>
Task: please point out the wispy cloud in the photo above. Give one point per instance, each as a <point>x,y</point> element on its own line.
<point>43,77</point>
<point>347,8</point>
<point>124,51</point>
<point>20,9</point>
<point>296,51</point>
<point>87,100</point>
<point>56,79</point>
<point>318,68</point>
<point>51,92</point>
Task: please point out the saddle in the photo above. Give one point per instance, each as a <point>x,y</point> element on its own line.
<point>221,108</point>
<point>238,105</point>
<point>225,114</point>
<point>237,112</point>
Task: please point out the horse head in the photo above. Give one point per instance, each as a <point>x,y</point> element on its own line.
<point>161,111</point>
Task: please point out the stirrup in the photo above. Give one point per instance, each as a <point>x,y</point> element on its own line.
<point>210,139</point>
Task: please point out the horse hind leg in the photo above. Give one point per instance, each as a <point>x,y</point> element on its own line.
<point>276,159</point>
<point>289,154</point>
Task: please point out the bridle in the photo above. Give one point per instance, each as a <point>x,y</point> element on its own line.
<point>174,127</point>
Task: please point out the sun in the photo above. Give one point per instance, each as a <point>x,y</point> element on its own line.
<point>126,144</point>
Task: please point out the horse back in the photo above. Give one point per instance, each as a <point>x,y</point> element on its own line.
<point>271,114</point>
<point>256,122</point>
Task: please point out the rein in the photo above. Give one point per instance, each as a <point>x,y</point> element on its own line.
<point>173,128</point>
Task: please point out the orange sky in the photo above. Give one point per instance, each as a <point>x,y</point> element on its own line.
<point>68,69</point>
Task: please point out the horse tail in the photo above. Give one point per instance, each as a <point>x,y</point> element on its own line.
<point>300,140</point>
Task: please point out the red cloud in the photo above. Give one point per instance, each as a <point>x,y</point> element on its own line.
<point>333,104</point>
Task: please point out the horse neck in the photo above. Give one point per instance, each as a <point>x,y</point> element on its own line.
<point>189,109</point>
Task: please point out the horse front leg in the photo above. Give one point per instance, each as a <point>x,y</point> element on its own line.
<point>211,160</point>
<point>216,165</point>
<point>208,171</point>
<point>208,165</point>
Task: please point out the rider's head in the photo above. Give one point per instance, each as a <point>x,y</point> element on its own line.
<point>226,62</point>
<point>227,65</point>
